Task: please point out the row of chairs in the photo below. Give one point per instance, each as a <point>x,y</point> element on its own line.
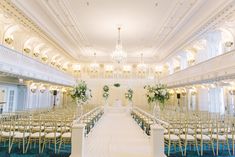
<point>198,130</point>
<point>52,127</point>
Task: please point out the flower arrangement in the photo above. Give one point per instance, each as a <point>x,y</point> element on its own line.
<point>129,94</point>
<point>106,92</point>
<point>81,93</point>
<point>157,93</point>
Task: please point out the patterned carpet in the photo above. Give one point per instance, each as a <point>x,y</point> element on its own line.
<point>33,152</point>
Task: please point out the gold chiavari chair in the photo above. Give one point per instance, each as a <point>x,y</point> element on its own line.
<point>66,136</point>
<point>21,134</point>
<point>37,135</point>
<point>188,139</point>
<point>203,137</point>
<point>218,136</point>
<point>172,138</point>
<point>52,136</point>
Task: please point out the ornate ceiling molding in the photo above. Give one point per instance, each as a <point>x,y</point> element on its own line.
<point>65,20</point>
<point>182,10</point>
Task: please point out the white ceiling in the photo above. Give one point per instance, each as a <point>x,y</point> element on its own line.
<point>155,28</point>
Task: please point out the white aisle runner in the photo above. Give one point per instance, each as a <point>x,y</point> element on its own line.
<point>117,135</point>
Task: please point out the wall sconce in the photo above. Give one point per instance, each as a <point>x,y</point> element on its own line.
<point>127,68</point>
<point>9,40</point>
<point>44,58</point>
<point>27,50</point>
<point>64,90</point>
<point>53,62</point>
<point>36,54</point>
<point>21,81</point>
<point>94,67</point>
<point>158,69</point>
<point>232,92</point>
<point>191,61</point>
<point>58,65</point>
<point>183,91</point>
<point>76,67</point>
<point>33,88</point>
<point>42,88</point>
<point>109,68</point>
<point>228,44</point>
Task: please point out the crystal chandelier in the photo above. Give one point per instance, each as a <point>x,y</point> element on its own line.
<point>141,66</point>
<point>94,66</point>
<point>118,54</point>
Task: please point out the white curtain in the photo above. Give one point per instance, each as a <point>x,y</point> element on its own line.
<point>216,100</point>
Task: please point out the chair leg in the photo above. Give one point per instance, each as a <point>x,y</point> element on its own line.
<point>233,145</point>
<point>228,147</point>
<point>185,147</point>
<point>23,145</point>
<point>55,142</point>
<point>197,148</point>
<point>212,146</point>
<point>169,147</point>
<point>39,145</point>
<point>10,145</point>
<point>43,145</point>
<point>61,144</point>
<point>201,147</point>
<point>181,147</point>
<point>28,144</point>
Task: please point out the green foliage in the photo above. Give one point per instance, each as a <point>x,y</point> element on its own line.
<point>106,88</point>
<point>106,92</point>
<point>116,85</point>
<point>129,94</point>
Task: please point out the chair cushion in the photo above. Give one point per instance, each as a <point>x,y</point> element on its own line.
<point>172,137</point>
<point>203,137</point>
<point>66,135</point>
<point>37,134</point>
<point>21,135</point>
<point>7,134</point>
<point>230,136</point>
<point>220,137</point>
<point>205,131</point>
<point>188,137</point>
<point>52,135</point>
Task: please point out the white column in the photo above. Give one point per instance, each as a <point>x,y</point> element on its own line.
<point>77,149</point>
<point>157,141</point>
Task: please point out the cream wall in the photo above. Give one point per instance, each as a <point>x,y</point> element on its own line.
<point>137,85</point>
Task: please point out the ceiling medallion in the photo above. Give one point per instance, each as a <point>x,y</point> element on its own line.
<point>118,54</point>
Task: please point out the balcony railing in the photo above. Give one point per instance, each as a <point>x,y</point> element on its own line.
<point>16,63</point>
<point>214,69</point>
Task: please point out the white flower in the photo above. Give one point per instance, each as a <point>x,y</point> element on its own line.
<point>151,94</point>
<point>164,92</point>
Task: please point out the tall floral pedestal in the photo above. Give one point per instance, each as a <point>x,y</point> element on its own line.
<point>156,110</point>
<point>79,109</point>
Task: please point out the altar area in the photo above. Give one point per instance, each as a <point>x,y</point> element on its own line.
<point>116,102</point>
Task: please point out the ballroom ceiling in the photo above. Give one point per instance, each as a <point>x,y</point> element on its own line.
<point>156,28</point>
